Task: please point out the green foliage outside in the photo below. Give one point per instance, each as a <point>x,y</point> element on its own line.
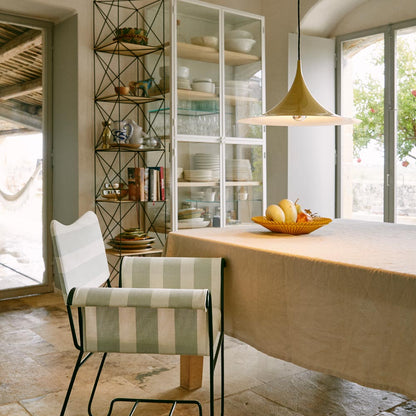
<point>369,103</point>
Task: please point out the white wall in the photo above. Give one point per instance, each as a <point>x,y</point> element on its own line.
<point>280,20</point>
<point>311,150</point>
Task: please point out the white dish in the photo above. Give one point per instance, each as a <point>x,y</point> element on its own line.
<point>238,34</point>
<point>191,220</point>
<point>207,87</point>
<point>181,71</point>
<point>193,225</point>
<point>239,45</point>
<point>210,41</point>
<point>184,84</point>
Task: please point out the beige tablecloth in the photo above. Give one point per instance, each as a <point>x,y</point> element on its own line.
<point>341,300</point>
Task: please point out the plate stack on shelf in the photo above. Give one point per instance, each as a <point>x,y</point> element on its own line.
<point>132,240</point>
<point>208,161</point>
<point>191,218</point>
<point>238,170</point>
<point>237,88</point>
<point>199,175</point>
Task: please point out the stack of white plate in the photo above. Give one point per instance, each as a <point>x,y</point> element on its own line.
<point>208,161</point>
<point>192,223</point>
<point>238,170</point>
<point>199,175</point>
<point>237,88</point>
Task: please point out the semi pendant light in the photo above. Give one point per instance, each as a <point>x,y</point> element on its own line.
<point>298,107</point>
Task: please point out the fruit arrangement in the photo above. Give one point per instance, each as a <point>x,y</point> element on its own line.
<point>289,212</point>
<point>290,218</point>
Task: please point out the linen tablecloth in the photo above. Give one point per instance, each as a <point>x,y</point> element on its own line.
<point>341,300</point>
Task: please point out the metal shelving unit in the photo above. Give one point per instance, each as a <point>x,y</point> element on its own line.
<point>117,63</point>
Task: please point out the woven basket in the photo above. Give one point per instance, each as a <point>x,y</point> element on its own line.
<point>297,228</point>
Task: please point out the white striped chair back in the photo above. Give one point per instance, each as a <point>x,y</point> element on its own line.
<point>174,273</point>
<point>79,253</point>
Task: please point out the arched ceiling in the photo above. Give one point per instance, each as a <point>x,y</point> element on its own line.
<point>330,18</point>
<point>322,18</point>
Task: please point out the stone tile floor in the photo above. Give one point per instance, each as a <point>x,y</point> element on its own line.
<point>37,358</point>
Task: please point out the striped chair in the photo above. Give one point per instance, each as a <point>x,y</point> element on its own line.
<point>163,305</point>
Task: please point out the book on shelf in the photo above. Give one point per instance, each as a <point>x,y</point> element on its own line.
<point>146,184</point>
<point>132,185</point>
<point>162,183</point>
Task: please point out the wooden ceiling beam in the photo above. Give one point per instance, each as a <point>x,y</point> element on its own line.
<point>21,118</point>
<point>16,132</point>
<point>23,88</point>
<point>19,44</point>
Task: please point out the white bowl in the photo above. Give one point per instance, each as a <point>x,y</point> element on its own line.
<point>204,86</point>
<point>211,41</point>
<point>182,71</point>
<point>238,34</point>
<point>184,84</point>
<point>239,45</point>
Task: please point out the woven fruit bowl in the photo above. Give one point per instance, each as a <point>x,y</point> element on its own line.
<point>297,228</point>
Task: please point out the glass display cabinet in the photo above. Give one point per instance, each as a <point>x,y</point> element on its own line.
<point>216,77</point>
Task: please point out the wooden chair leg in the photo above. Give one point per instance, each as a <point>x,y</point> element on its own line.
<point>191,371</point>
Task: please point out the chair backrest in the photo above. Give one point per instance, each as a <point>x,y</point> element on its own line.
<point>174,273</point>
<point>79,253</point>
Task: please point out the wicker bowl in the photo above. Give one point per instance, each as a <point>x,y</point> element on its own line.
<point>134,35</point>
<point>297,228</point>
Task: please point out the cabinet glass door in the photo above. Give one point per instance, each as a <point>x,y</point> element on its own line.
<point>243,182</point>
<point>198,172</point>
<point>243,74</point>
<point>197,70</point>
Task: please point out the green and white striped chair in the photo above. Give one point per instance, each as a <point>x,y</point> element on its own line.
<point>164,305</point>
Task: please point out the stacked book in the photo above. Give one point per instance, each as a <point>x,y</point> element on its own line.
<point>146,184</point>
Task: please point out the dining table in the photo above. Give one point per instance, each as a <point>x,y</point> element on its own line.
<point>340,300</point>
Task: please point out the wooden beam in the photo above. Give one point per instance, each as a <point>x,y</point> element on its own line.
<point>21,118</point>
<point>23,88</point>
<point>19,44</point>
<point>16,132</point>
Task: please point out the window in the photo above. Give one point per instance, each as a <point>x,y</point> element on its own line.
<point>376,160</point>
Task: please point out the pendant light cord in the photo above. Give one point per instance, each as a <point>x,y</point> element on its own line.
<point>298,30</point>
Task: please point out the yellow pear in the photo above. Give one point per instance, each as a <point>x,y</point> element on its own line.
<point>275,213</point>
<point>289,209</point>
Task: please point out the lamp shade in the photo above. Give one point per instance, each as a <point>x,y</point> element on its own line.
<point>299,108</point>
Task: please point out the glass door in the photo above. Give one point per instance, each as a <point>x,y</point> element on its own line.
<point>243,74</point>
<point>24,152</point>
<point>362,146</point>
<point>377,168</point>
<point>405,159</point>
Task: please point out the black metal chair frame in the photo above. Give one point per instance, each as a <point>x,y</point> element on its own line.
<point>83,356</point>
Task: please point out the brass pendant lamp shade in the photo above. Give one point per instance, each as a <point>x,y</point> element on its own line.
<point>298,107</point>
